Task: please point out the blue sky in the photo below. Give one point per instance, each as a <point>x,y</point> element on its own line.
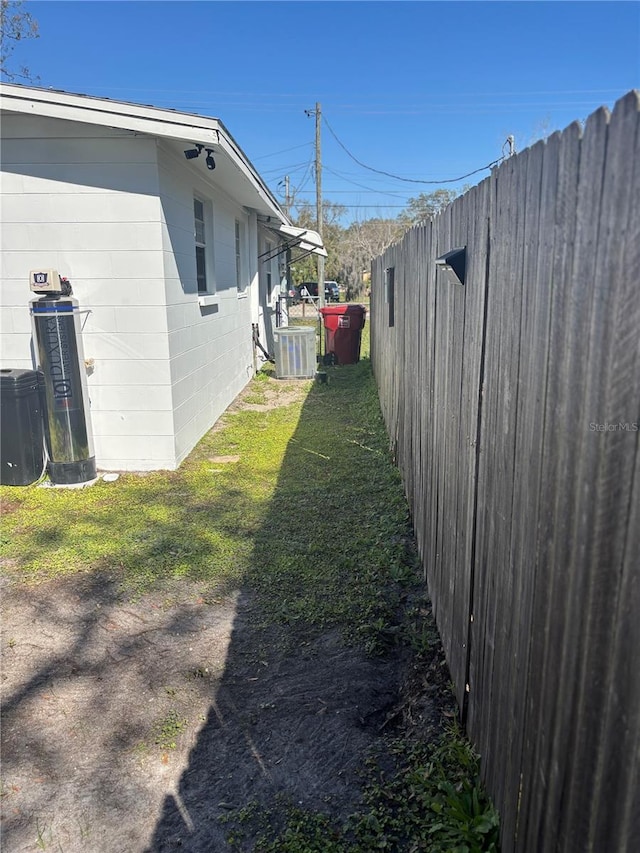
<point>425,91</point>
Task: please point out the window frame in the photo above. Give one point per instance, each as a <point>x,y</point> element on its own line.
<point>204,246</point>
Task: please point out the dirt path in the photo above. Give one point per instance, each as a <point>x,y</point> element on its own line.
<point>131,727</point>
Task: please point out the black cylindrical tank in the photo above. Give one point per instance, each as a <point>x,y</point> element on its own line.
<point>67,420</point>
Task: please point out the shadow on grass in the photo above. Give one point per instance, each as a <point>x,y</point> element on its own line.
<point>300,703</point>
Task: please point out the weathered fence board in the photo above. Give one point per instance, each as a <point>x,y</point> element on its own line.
<point>526,505</point>
<point>554,594</point>
<point>532,498</point>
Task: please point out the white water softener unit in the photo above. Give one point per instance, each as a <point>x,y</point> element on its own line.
<point>58,343</point>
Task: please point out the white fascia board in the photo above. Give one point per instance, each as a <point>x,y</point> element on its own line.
<point>152,121</point>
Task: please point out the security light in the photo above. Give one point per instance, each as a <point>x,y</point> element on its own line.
<point>454,264</point>
<point>192,153</point>
<point>211,163</point>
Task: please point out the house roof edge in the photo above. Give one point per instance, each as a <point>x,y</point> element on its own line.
<point>154,121</point>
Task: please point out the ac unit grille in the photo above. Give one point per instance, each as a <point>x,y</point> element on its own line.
<point>295,352</point>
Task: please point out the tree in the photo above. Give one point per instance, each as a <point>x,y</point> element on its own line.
<point>15,26</point>
<point>361,242</point>
<point>305,270</point>
<point>423,207</point>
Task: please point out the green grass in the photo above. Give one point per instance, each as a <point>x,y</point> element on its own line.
<point>196,523</point>
<point>311,515</point>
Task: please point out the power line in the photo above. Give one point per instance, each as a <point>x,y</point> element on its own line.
<point>298,95</point>
<point>409,180</point>
<point>362,186</point>
<point>304,179</point>
<point>372,206</point>
<point>284,151</point>
<point>353,192</point>
<point>292,168</point>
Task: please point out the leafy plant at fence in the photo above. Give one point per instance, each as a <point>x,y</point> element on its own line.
<point>434,802</point>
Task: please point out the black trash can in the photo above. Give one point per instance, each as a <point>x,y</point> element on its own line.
<point>21,429</point>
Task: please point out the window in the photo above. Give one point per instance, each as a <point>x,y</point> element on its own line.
<point>240,266</point>
<point>202,259</point>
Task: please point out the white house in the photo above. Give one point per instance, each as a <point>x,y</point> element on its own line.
<point>173,261</point>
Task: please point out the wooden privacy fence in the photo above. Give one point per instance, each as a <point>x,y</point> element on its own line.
<point>513,405</point>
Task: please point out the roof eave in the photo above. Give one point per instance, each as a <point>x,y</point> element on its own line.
<point>152,121</point>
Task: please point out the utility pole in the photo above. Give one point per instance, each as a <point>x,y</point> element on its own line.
<point>319,214</point>
<point>319,217</point>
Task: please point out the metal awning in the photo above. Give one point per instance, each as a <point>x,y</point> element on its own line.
<point>306,241</point>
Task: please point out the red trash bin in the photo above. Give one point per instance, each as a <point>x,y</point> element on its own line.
<point>343,325</point>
